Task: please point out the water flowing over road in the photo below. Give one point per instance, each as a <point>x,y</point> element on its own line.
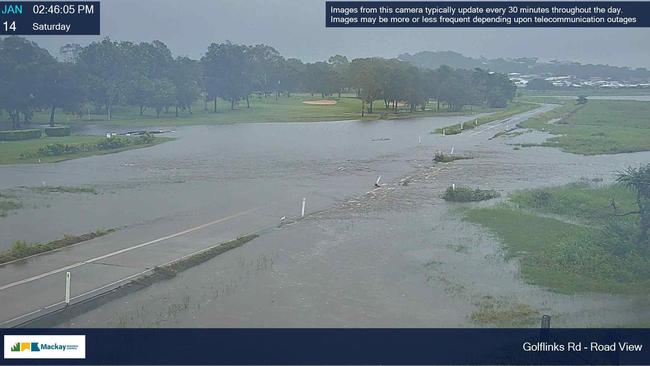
<point>397,255</point>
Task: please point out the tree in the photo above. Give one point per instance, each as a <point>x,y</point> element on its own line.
<point>540,84</point>
<point>164,94</point>
<point>63,88</point>
<point>367,76</point>
<point>23,82</point>
<point>291,75</point>
<point>638,179</point>
<point>105,66</point>
<point>341,66</point>
<point>265,65</point>
<point>494,89</point>
<point>227,72</point>
<point>320,77</point>
<point>185,76</point>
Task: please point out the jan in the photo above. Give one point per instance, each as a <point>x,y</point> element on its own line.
<point>12,9</point>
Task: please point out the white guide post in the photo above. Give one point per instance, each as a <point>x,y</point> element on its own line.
<point>67,288</point>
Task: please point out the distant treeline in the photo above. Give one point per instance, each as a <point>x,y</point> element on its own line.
<point>525,65</point>
<point>109,73</point>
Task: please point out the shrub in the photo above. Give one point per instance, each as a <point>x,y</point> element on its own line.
<point>466,194</point>
<point>113,142</point>
<point>17,135</point>
<point>542,198</point>
<point>146,138</point>
<point>58,149</point>
<point>57,131</point>
<point>440,157</point>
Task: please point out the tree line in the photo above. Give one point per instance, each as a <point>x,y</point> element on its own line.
<point>146,75</point>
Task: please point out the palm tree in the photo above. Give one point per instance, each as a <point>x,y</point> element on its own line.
<point>638,179</point>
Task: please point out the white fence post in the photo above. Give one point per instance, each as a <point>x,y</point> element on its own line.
<point>67,288</point>
<point>302,212</point>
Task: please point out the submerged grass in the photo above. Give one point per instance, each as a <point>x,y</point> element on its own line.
<point>8,206</point>
<point>22,249</point>
<point>501,313</point>
<point>63,189</point>
<point>467,194</point>
<point>570,240</point>
<point>440,157</point>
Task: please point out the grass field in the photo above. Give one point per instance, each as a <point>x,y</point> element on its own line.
<point>569,239</point>
<point>26,151</point>
<point>262,109</point>
<point>587,92</point>
<point>598,127</point>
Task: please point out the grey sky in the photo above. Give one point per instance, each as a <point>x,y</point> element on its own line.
<point>297,29</point>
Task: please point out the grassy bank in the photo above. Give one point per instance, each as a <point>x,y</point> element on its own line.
<point>262,109</point>
<point>53,149</point>
<point>512,109</point>
<point>598,127</point>
<point>572,238</point>
<point>21,249</point>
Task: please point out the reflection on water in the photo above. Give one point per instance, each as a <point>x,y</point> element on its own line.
<point>394,256</point>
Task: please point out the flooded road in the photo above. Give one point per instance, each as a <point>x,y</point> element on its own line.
<point>397,256</point>
<point>210,171</point>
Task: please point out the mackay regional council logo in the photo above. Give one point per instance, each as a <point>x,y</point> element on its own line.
<point>43,346</point>
<point>25,346</point>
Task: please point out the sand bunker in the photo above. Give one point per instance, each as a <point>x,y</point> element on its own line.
<point>320,102</point>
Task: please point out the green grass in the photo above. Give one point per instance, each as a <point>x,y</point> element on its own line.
<point>586,91</point>
<point>26,151</point>
<point>262,109</point>
<point>467,194</point>
<point>569,240</point>
<point>577,200</point>
<point>599,127</point>
<point>21,249</point>
<point>512,109</point>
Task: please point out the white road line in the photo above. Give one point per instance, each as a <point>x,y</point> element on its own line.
<point>493,126</point>
<point>108,285</point>
<point>74,297</point>
<point>78,264</point>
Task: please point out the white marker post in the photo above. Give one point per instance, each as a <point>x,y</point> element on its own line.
<point>461,125</point>
<point>476,122</point>
<point>302,212</point>
<point>67,288</point>
<point>443,131</point>
<point>453,186</point>
<point>452,151</point>
<point>419,139</point>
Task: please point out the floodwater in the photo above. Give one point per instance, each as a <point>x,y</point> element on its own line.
<point>397,256</point>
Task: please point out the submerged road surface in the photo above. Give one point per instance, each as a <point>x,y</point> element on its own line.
<point>211,185</point>
<point>393,256</point>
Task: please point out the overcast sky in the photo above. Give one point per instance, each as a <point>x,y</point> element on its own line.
<point>297,29</point>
